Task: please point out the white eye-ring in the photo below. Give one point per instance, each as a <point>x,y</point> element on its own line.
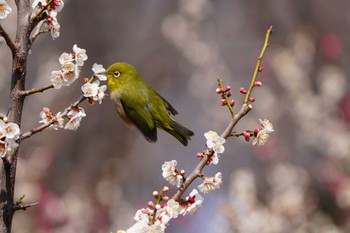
<point>116,74</point>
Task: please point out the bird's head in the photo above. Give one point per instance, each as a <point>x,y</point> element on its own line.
<point>119,73</point>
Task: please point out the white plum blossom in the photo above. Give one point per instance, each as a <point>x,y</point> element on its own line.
<point>171,174</point>
<point>57,79</point>
<point>214,159</point>
<point>7,146</point>
<point>99,72</point>
<point>65,57</point>
<point>12,131</point>
<point>266,125</point>
<point>79,55</point>
<point>9,133</point>
<point>73,123</point>
<point>47,116</point>
<point>94,92</point>
<point>263,135</point>
<point>76,111</point>
<point>141,227</point>
<point>167,212</point>
<point>76,115</point>
<point>90,89</point>
<point>211,183</point>
<point>70,76</point>
<point>193,202</point>
<point>53,24</point>
<point>5,9</point>
<point>215,142</point>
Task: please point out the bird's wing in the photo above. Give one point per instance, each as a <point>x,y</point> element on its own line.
<point>141,117</point>
<point>168,106</point>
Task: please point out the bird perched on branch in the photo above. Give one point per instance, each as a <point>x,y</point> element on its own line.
<point>139,104</point>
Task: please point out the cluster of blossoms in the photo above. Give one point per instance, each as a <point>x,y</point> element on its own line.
<point>71,64</point>
<point>51,11</point>
<point>5,9</point>
<point>93,91</point>
<point>9,133</point>
<point>155,218</point>
<point>56,121</point>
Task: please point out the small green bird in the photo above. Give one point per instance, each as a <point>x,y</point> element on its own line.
<point>139,104</point>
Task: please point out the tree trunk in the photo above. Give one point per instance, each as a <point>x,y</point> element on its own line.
<point>9,164</point>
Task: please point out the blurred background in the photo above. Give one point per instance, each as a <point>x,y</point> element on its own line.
<point>95,179</point>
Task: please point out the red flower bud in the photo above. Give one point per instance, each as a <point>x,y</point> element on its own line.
<point>150,205</point>
<point>223,102</point>
<point>165,189</point>
<point>257,83</point>
<point>228,94</point>
<point>251,99</point>
<point>86,79</point>
<point>256,131</point>
<point>243,90</point>
<point>232,103</point>
<point>219,90</point>
<point>261,69</point>
<point>227,88</point>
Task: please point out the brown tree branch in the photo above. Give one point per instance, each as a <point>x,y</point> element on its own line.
<point>35,90</point>
<point>40,128</point>
<point>8,40</point>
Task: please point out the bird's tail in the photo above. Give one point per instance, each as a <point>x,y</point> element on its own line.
<point>180,132</point>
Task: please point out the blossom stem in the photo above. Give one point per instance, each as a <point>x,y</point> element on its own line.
<point>256,71</point>
<point>232,111</point>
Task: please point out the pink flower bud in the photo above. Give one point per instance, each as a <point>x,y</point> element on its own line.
<point>223,102</point>
<point>247,138</point>
<point>150,205</point>
<point>165,198</point>
<point>200,154</point>
<point>261,69</point>
<point>157,207</point>
<point>86,79</point>
<point>165,189</point>
<point>232,103</point>
<point>227,88</point>
<point>243,90</point>
<point>256,131</point>
<point>219,90</point>
<point>251,99</point>
<point>155,194</point>
<point>257,83</point>
<point>182,172</point>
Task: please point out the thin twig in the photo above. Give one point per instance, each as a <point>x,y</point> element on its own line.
<point>228,104</point>
<point>40,128</point>
<point>227,132</point>
<point>8,40</point>
<point>258,64</point>
<point>21,206</point>
<point>35,90</point>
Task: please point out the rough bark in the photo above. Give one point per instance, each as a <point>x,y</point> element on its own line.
<point>9,164</point>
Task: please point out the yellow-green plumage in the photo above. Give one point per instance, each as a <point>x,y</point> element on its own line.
<point>139,104</point>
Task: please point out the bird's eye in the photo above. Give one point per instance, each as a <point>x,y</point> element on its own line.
<point>116,74</point>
